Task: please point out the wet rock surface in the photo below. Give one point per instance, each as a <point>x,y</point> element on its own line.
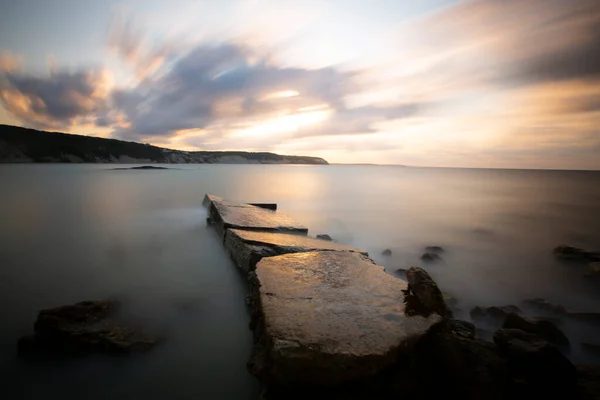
<point>230,215</point>
<point>543,328</point>
<point>330,317</point>
<point>426,291</point>
<point>249,247</point>
<point>81,328</point>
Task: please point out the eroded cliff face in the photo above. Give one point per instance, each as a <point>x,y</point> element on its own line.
<point>21,145</point>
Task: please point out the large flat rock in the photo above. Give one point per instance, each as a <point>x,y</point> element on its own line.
<point>249,247</point>
<point>229,215</point>
<point>328,317</point>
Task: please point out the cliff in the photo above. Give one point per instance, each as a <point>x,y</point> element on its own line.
<point>21,145</point>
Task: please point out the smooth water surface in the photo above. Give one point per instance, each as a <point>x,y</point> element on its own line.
<point>76,232</point>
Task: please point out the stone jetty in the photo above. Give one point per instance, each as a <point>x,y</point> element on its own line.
<point>325,313</point>
<point>329,323</point>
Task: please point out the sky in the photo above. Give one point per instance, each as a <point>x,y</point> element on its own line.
<point>478,83</point>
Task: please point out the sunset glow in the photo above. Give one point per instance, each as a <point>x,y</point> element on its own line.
<point>437,83</point>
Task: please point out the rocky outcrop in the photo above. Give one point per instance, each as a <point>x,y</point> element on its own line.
<point>570,253</point>
<point>497,313</point>
<point>543,328</point>
<point>537,363</point>
<point>424,288</point>
<point>329,317</point>
<point>27,145</point>
<point>80,328</point>
<point>248,247</point>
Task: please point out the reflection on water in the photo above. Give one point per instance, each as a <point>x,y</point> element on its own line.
<point>71,233</point>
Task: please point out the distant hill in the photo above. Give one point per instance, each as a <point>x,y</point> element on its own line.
<point>21,145</point>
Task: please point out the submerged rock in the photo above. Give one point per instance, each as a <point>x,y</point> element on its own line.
<point>422,285</point>
<point>85,327</point>
<point>575,254</point>
<point>386,252</point>
<point>329,317</point>
<point>494,312</point>
<point>537,362</point>
<point>248,247</point>
<point>434,249</point>
<point>542,328</point>
<point>544,305</point>
<point>431,257</point>
<point>324,236</point>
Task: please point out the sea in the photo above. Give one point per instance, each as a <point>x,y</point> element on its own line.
<point>84,232</point>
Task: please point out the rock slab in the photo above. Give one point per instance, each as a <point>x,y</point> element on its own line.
<point>229,215</point>
<point>84,327</point>
<point>249,247</point>
<point>330,316</point>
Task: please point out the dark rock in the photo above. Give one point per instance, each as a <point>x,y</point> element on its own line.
<point>575,254</point>
<point>542,328</point>
<point>540,364</point>
<point>431,257</point>
<point>462,328</point>
<point>588,384</point>
<point>324,237</point>
<point>386,252</point>
<point>494,312</point>
<point>426,290</point>
<point>590,348</point>
<point>544,305</point>
<point>448,366</point>
<point>85,327</point>
<point>434,249</point>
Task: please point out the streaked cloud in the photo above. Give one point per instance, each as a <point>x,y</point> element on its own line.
<point>480,82</point>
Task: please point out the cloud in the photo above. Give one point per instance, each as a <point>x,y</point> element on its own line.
<point>57,100</point>
<point>226,85</point>
<point>130,43</point>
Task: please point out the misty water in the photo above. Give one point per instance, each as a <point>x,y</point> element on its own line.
<point>77,232</point>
